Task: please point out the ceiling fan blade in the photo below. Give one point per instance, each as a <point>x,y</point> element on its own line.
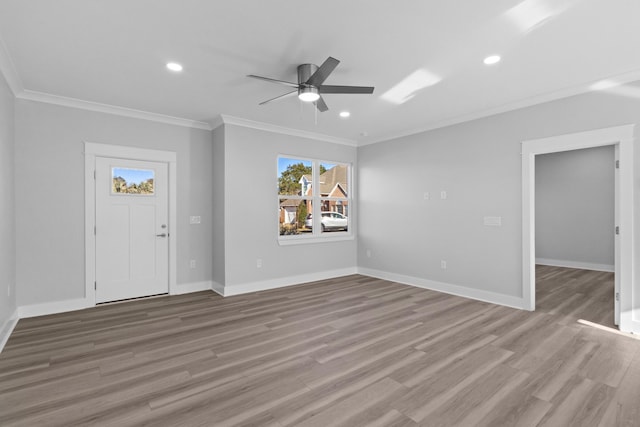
<point>345,89</point>
<point>320,105</point>
<point>267,79</point>
<point>279,97</point>
<point>323,72</point>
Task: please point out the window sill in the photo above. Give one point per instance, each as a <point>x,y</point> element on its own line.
<point>305,240</point>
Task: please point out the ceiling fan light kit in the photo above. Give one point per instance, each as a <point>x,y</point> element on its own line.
<point>308,94</point>
<point>310,88</point>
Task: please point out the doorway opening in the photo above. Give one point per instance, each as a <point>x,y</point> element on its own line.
<point>621,137</point>
<point>575,240</point>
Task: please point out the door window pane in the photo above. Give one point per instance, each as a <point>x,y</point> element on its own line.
<point>132,181</point>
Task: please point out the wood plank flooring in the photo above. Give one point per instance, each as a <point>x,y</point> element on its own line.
<point>353,351</point>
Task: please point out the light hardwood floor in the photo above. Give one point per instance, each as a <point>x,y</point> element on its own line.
<point>353,351</point>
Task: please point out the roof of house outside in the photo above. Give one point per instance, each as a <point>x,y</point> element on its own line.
<point>332,177</point>
<point>337,175</point>
<point>290,203</point>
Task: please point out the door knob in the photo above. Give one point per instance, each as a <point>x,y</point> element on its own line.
<point>161,235</point>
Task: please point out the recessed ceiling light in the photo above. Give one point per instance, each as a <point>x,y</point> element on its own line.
<point>344,114</point>
<point>490,60</point>
<point>174,66</point>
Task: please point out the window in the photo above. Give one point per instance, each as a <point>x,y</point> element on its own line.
<point>313,198</point>
<point>131,181</point>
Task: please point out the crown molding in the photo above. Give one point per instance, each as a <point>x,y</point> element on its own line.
<point>216,122</point>
<point>237,121</point>
<point>110,109</point>
<point>611,82</point>
<point>8,70</point>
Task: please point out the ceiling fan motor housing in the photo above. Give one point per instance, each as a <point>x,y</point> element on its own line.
<point>305,71</point>
<point>307,93</point>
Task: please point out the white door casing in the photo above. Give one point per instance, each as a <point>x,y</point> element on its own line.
<point>616,247</point>
<point>622,138</point>
<point>91,153</point>
<point>132,232</point>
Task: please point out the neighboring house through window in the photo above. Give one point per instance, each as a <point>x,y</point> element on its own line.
<point>298,200</point>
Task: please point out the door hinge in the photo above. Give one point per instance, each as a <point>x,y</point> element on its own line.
<point>617,164</point>
<point>94,174</point>
<point>94,230</point>
<point>95,286</point>
<point>617,229</point>
<point>617,296</point>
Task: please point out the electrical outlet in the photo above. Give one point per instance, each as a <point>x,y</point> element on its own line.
<point>192,263</point>
<point>259,263</point>
<point>443,195</point>
<point>194,219</point>
<point>443,264</point>
<point>427,196</point>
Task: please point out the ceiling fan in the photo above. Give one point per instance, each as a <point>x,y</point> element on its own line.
<point>310,88</point>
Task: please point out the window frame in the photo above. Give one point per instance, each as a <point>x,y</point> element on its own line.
<point>316,235</point>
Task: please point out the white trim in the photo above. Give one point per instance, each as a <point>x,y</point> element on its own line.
<point>54,307</point>
<point>282,282</point>
<point>7,329</point>
<point>8,70</point>
<point>575,264</point>
<point>93,150</point>
<point>64,101</point>
<point>187,288</point>
<point>302,239</point>
<point>447,288</point>
<point>505,108</point>
<point>217,122</point>
<point>218,288</point>
<point>237,121</point>
<point>621,136</point>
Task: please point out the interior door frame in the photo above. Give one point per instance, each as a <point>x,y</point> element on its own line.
<point>621,137</point>
<point>93,150</point>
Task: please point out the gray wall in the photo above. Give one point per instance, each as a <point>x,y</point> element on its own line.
<point>575,207</point>
<point>479,164</point>
<point>49,184</point>
<point>251,208</point>
<point>7,212</point>
<point>218,197</point>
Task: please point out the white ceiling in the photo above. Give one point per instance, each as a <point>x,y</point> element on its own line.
<point>114,52</point>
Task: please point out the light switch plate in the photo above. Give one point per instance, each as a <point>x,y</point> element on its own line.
<point>493,221</point>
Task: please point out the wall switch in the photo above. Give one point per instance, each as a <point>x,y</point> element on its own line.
<point>368,253</point>
<point>194,219</point>
<point>493,221</point>
<point>443,264</point>
<point>427,196</point>
<point>192,263</point>
<point>443,195</point>
<point>259,263</point>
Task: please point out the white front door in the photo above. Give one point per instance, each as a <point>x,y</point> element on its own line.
<point>132,235</point>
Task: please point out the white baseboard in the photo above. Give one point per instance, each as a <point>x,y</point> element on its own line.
<point>264,285</point>
<point>7,329</point>
<point>575,264</point>
<point>218,288</point>
<point>54,307</point>
<point>187,288</point>
<point>447,288</point>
